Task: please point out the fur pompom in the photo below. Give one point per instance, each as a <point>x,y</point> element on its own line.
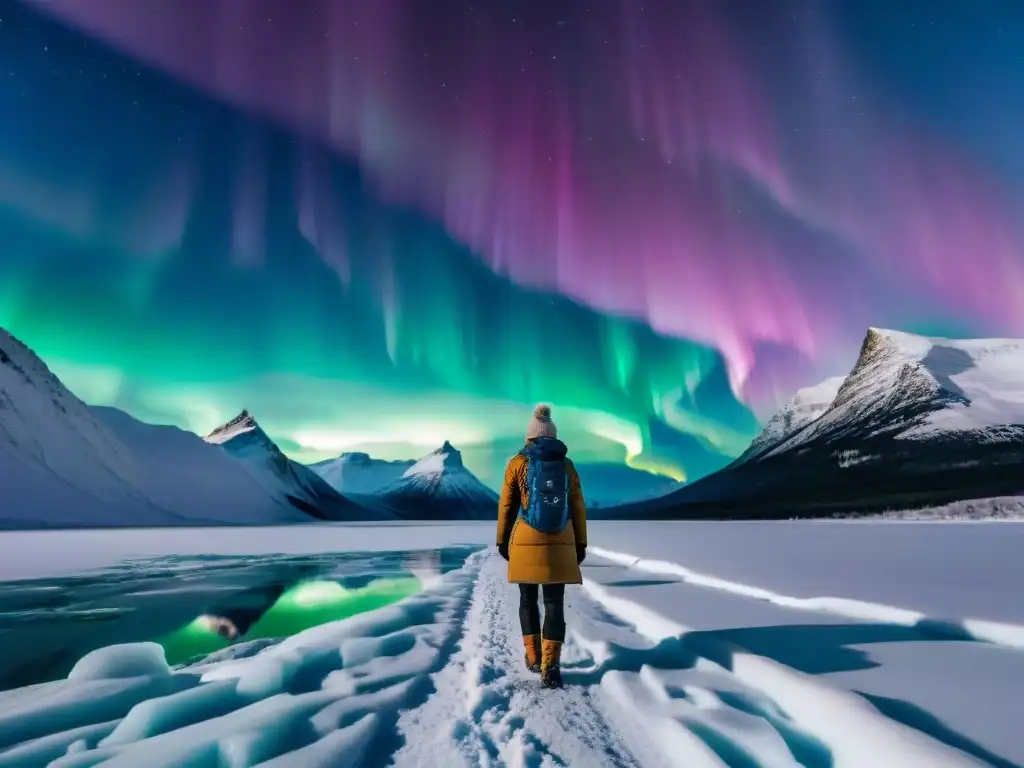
<point>542,412</point>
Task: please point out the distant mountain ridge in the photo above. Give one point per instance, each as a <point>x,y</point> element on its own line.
<point>437,487</point>
<point>918,420</point>
<point>606,484</point>
<point>63,463</point>
<point>356,472</point>
<point>66,464</point>
<point>244,440</point>
<point>806,406</point>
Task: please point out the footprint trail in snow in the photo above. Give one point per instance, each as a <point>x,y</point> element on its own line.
<point>488,710</point>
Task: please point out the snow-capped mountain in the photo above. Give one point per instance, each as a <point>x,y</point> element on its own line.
<point>806,406</point>
<point>439,487</point>
<point>918,420</point>
<point>359,473</point>
<point>923,388</point>
<point>64,464</point>
<point>243,439</point>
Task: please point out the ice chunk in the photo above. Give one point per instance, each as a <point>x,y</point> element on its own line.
<point>361,650</point>
<point>64,705</point>
<point>267,675</point>
<point>119,661</point>
<point>168,713</point>
<point>243,750</point>
<point>82,759</point>
<point>350,709</point>
<point>385,670</point>
<point>276,670</point>
<point>345,747</point>
<point>224,740</point>
<point>48,748</point>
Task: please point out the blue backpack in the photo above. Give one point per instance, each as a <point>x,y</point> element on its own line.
<point>547,481</point>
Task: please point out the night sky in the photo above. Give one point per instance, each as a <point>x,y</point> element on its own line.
<point>380,224</point>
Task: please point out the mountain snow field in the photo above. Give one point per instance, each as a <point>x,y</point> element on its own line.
<point>690,644</point>
<point>65,464</point>
<point>244,440</point>
<point>356,472</point>
<point>988,373</point>
<point>805,406</point>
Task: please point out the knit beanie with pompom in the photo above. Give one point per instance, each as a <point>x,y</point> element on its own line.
<point>541,424</point>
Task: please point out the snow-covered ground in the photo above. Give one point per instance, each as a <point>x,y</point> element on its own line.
<point>991,510</point>
<point>690,644</point>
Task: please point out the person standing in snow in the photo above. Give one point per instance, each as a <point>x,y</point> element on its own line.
<point>542,533</point>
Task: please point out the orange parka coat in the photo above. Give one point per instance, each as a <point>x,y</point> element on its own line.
<point>536,557</point>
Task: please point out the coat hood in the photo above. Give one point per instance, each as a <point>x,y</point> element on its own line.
<point>546,449</point>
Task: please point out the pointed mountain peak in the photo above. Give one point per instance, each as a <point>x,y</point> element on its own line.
<point>444,459</point>
<point>439,485</point>
<point>242,423</point>
<point>452,455</point>
<point>876,342</point>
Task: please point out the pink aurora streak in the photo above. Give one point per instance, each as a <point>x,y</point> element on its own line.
<point>613,154</point>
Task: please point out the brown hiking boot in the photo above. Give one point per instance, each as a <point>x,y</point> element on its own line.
<point>550,671</point>
<point>532,645</point>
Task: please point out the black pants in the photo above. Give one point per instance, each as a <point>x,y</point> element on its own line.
<point>554,610</point>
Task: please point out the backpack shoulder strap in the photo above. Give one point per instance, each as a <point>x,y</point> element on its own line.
<point>522,501</point>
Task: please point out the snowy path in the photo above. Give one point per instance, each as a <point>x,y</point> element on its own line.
<point>489,710</point>
<point>438,680</point>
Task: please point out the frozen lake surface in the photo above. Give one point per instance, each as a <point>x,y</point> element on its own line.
<point>690,644</point>
<point>197,605</point>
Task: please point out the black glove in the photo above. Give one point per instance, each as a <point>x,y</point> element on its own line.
<point>581,553</point>
<point>503,550</point>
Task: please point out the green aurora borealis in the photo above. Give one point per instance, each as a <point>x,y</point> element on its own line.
<point>360,327</point>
